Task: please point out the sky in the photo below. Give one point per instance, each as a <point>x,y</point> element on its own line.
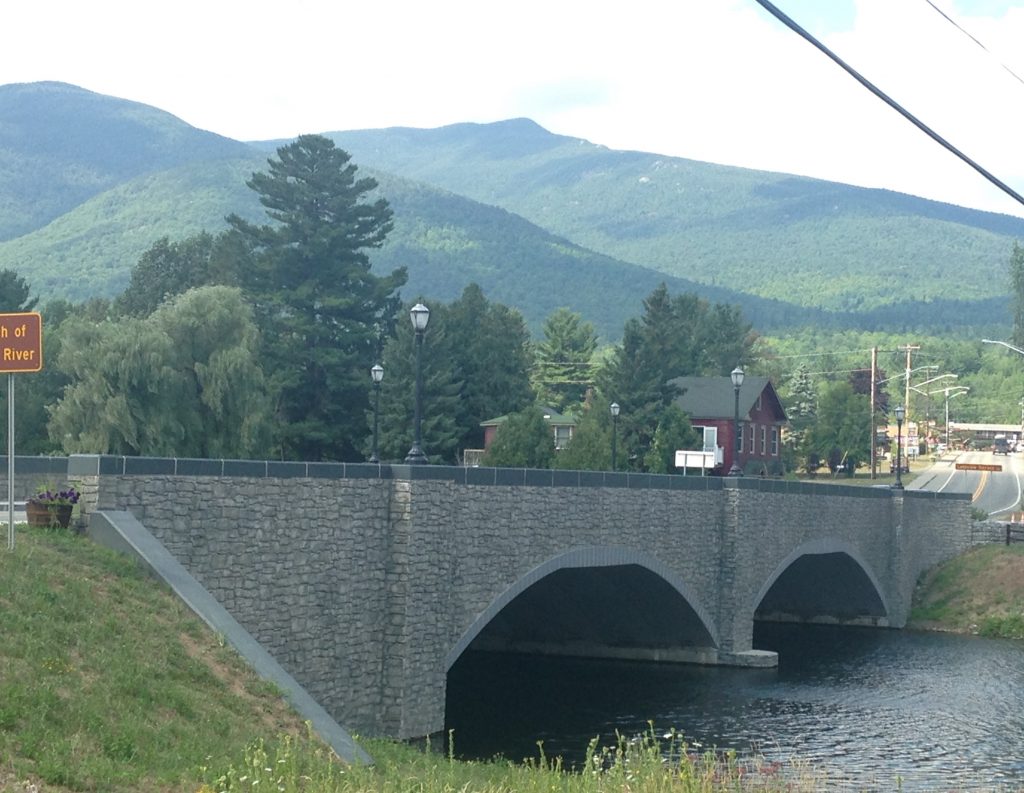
<point>714,80</point>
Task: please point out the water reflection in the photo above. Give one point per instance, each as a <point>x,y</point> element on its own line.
<point>865,705</point>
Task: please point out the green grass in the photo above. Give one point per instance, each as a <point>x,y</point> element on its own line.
<point>981,591</point>
<point>647,764</point>
<point>107,683</point>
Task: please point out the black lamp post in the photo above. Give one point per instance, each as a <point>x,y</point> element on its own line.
<point>614,408</point>
<point>377,374</point>
<point>900,411</point>
<point>420,315</point>
<point>737,381</point>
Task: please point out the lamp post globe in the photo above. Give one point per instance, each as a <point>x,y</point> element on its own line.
<point>614,408</point>
<point>420,316</point>
<point>736,375</point>
<point>899,412</point>
<point>376,375</point>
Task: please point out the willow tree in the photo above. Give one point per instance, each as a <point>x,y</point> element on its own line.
<point>319,307</point>
<point>183,382</point>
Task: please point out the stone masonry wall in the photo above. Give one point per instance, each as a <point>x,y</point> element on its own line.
<point>365,582</point>
<point>468,545</point>
<point>300,563</point>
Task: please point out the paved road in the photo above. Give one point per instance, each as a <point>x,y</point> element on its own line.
<point>996,492</point>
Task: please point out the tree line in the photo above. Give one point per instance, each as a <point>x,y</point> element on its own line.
<point>258,342</point>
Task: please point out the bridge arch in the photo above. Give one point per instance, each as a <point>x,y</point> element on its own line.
<point>797,581</point>
<point>593,558</point>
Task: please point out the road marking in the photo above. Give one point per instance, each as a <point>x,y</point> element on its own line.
<point>981,486</point>
<point>1013,506</point>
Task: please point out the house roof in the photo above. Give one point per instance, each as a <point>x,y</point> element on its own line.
<point>551,416</point>
<point>714,397</point>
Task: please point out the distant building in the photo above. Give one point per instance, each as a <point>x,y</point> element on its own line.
<point>710,404</point>
<point>562,428</point>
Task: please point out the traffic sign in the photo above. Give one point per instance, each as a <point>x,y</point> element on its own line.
<point>978,467</point>
<point>21,342</point>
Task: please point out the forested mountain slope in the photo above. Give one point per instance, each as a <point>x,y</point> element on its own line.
<point>61,145</point>
<point>803,240</point>
<point>89,182</point>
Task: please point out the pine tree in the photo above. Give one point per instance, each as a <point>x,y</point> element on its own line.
<point>318,305</point>
<point>564,367</point>
<point>14,293</point>
<point>491,356</point>
<point>801,410</point>
<point>440,430</point>
<point>675,337</point>
<point>674,432</point>
<point>1017,293</point>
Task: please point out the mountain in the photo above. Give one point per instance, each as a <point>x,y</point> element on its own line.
<point>61,145</point>
<point>89,182</point>
<point>800,240</point>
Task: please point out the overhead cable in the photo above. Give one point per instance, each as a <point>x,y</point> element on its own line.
<point>785,20</point>
<point>956,24</point>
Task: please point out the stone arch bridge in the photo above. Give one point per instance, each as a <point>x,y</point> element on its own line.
<point>367,582</point>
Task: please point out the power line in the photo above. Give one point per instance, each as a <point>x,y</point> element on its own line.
<point>819,354</point>
<point>956,24</point>
<point>830,352</point>
<point>843,371</point>
<point>785,20</point>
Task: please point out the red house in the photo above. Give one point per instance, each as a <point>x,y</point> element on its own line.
<point>710,404</point>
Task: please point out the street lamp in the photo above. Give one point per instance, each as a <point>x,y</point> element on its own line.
<point>376,374</point>
<point>899,411</point>
<point>737,381</point>
<point>614,408</point>
<point>1007,345</point>
<point>420,315</point>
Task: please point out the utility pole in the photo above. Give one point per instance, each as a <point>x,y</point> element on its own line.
<point>908,349</point>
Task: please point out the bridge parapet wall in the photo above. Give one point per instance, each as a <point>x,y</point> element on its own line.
<point>31,474</point>
<point>365,582</point>
<point>297,553</point>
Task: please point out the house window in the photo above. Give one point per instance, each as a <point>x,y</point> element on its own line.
<point>710,438</point>
<point>775,441</point>
<point>563,434</point>
<point>764,437</point>
<point>741,439</point>
<point>753,429</point>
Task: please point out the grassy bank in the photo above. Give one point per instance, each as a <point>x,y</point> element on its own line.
<point>981,591</point>
<point>107,683</point>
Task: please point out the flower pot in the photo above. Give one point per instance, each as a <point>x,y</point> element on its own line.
<point>48,515</point>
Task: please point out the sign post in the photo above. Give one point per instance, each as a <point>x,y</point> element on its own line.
<point>21,350</point>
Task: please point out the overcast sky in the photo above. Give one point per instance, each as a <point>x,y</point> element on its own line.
<point>714,80</point>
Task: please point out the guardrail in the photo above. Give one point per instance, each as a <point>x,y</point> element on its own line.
<point>1014,532</point>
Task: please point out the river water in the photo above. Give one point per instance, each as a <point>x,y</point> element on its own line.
<point>871,708</point>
